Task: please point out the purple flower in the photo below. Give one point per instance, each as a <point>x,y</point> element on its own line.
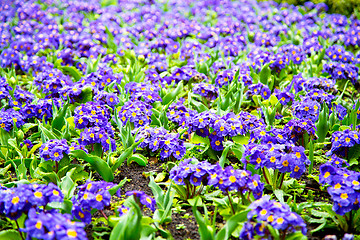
<point>142,199</point>
<point>54,149</point>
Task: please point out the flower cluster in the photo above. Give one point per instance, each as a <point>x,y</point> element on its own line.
<point>103,136</point>
<point>51,81</point>
<point>94,119</point>
<point>224,78</point>
<point>16,201</point>
<point>147,92</point>
<point>293,52</point>
<point>307,109</point>
<point>339,54</point>
<point>27,144</point>
<point>142,199</point>
<point>91,195</point>
<point>265,213</point>
<point>301,84</point>
<point>296,128</point>
<point>98,80</point>
<point>91,114</point>
<point>344,187</point>
<point>180,114</point>
<point>284,97</point>
<point>159,139</point>
<point>259,89</point>
<point>54,150</point>
<point>342,141</point>
<point>287,158</point>
<point>4,88</point>
<point>10,117</point>
<point>53,225</point>
<point>42,109</point>
<point>336,161</point>
<point>103,98</point>
<point>206,90</point>
<point>209,124</point>
<point>122,210</point>
<point>342,71</point>
<point>137,112</point>
<point>226,179</point>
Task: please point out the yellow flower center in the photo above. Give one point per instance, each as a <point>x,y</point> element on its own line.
<point>38,194</point>
<point>38,225</point>
<point>71,233</point>
<point>99,197</point>
<point>263,212</point>
<point>15,200</point>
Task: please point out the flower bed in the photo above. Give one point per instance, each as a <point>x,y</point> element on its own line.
<point>178,120</point>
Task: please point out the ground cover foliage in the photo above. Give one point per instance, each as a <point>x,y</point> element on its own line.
<point>178,120</point>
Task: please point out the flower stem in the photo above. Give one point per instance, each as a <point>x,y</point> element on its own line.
<point>193,192</point>
<point>187,191</point>
<point>56,166</point>
<point>102,212</point>
<point>281,180</point>
<point>265,176</point>
<point>18,228</point>
<point>200,189</point>
<point>230,201</point>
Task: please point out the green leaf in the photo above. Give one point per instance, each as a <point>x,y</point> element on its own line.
<point>48,134</point>
<point>138,158</point>
<point>4,170</point>
<point>12,142</point>
<point>320,57</point>
<point>27,126</point>
<point>206,231</point>
<point>265,74</point>
<point>33,149</point>
<point>72,71</point>
<point>66,205</point>
<point>231,224</point>
<point>279,195</point>
<point>242,139</point>
<point>238,150</point>
<point>110,37</point>
<point>86,95</point>
<point>10,235</point>
<point>125,155</point>
<point>311,155</point>
<point>320,227</point>
<point>114,189</point>
<point>168,202</point>
<point>158,193</point>
<point>173,94</point>
<point>320,214</point>
<point>97,163</point>
<point>197,139</point>
<point>296,236</point>
<point>59,119</point>
<point>160,177</point>
<point>199,106</point>
<point>105,3</point>
<point>196,202</point>
<point>129,226</point>
<point>67,185</point>
<point>354,152</point>
<point>48,176</point>
<point>223,159</point>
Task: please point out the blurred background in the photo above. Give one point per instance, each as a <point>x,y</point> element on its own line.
<point>346,7</point>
